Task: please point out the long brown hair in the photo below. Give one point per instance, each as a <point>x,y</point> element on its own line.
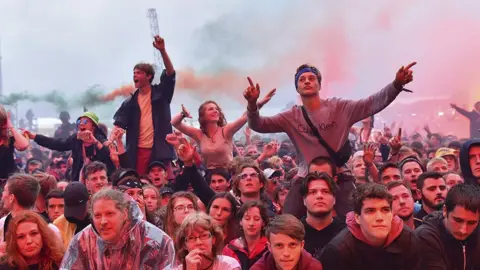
<point>169,221</point>
<point>52,251</point>
<point>222,121</point>
<point>192,222</point>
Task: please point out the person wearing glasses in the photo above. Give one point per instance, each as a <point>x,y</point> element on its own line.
<point>179,206</point>
<point>86,145</point>
<point>199,244</point>
<point>249,185</point>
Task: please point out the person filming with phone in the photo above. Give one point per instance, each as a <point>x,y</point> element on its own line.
<point>86,145</point>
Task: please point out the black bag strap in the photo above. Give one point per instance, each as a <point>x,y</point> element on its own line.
<point>329,149</point>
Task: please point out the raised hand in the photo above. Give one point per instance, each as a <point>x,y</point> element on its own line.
<point>185,152</point>
<point>28,134</point>
<point>369,151</point>
<point>270,149</point>
<point>427,129</point>
<point>86,136</point>
<point>267,98</point>
<point>404,75</point>
<point>159,43</point>
<point>252,93</point>
<point>396,142</point>
<point>453,105</point>
<point>173,140</point>
<point>185,112</point>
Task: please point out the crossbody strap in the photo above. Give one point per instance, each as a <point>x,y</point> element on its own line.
<point>329,149</point>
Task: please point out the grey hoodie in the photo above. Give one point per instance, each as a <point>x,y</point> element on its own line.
<point>333,121</point>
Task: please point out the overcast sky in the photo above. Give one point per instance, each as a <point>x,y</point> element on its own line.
<point>358,46</point>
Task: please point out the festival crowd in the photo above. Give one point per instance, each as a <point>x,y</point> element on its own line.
<point>153,192</point>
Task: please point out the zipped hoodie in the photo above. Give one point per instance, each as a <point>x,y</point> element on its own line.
<point>465,162</point>
<point>350,249</point>
<point>441,251</point>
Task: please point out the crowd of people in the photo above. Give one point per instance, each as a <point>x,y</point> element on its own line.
<point>142,195</point>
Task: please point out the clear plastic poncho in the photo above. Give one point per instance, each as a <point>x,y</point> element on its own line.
<point>142,246</point>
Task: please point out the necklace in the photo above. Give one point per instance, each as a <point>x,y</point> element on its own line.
<point>213,136</point>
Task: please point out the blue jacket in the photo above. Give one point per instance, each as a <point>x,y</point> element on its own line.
<point>128,118</point>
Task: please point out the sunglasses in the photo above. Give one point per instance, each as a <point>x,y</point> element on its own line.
<point>80,121</point>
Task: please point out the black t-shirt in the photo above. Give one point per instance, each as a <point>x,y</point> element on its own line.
<point>316,240</point>
<point>7,161</point>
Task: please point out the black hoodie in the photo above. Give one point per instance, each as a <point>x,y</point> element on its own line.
<point>465,162</point>
<point>441,251</point>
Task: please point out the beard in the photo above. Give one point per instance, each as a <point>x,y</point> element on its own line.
<point>432,205</point>
<point>320,214</point>
<point>407,217</point>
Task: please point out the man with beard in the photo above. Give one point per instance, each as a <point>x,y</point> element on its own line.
<point>402,204</point>
<point>375,238</point>
<point>434,190</point>
<point>451,240</point>
<point>411,169</point>
<point>318,191</point>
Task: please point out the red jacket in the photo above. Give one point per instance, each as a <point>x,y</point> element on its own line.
<point>307,262</point>
<point>238,250</point>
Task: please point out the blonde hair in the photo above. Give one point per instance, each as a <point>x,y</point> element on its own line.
<point>276,161</point>
<point>192,222</point>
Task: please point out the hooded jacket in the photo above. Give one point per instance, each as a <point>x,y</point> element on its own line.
<point>440,250</point>
<point>465,162</point>
<point>142,246</point>
<point>306,262</point>
<point>76,146</point>
<point>238,250</point>
<point>351,250</point>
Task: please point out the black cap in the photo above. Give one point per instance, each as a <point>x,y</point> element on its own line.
<point>156,164</point>
<point>76,199</point>
<point>122,174</point>
<point>166,190</point>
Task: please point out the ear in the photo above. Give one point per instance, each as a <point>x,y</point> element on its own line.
<point>303,243</point>
<point>269,246</point>
<point>214,240</point>
<point>335,179</point>
<point>304,203</point>
<point>444,211</point>
<point>357,218</point>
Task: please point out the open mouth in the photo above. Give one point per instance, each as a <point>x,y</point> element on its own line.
<point>135,80</point>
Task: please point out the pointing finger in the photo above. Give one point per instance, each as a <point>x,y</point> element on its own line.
<point>250,81</point>
<point>411,65</point>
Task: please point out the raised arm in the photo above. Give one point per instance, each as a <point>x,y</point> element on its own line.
<point>159,44</point>
<point>363,108</point>
<point>256,122</point>
<point>61,145</point>
<point>462,111</point>
<point>177,122</point>
<point>234,127</point>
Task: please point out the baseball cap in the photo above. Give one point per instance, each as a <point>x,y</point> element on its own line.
<point>166,190</point>
<point>444,151</point>
<point>269,173</point>
<point>76,200</point>
<point>156,164</point>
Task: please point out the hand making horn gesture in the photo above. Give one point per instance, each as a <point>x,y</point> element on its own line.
<point>404,75</point>
<point>252,93</point>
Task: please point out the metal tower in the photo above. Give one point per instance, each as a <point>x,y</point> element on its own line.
<point>152,18</point>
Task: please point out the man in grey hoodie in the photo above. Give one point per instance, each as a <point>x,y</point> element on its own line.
<point>332,117</point>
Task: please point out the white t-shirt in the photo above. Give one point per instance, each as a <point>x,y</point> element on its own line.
<point>222,263</point>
